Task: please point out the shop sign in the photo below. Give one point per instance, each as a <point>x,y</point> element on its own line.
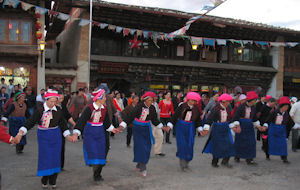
<point>296,80</point>
<point>176,87</point>
<point>112,68</point>
<point>158,86</point>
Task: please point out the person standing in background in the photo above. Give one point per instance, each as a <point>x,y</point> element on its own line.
<point>3,98</point>
<point>30,100</point>
<point>10,88</point>
<point>166,109</point>
<point>295,115</point>
<point>77,104</point>
<point>3,84</point>
<point>125,113</point>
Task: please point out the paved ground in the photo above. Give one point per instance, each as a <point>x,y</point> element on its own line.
<point>18,172</point>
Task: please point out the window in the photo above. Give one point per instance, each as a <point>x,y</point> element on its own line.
<point>15,31</point>
<point>248,55</point>
<point>2,30</point>
<point>13,27</point>
<point>26,31</point>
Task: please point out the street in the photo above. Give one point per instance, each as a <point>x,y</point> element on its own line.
<point>19,171</point>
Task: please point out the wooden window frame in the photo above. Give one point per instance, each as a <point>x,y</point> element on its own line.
<point>19,41</point>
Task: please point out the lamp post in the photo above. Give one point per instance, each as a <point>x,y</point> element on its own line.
<point>42,45</point>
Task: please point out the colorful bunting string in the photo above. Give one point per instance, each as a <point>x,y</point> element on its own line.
<point>180,33</point>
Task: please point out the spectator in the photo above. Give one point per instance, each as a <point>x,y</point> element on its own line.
<point>295,115</point>
<point>3,84</point>
<point>40,97</point>
<point>3,98</point>
<point>10,88</point>
<point>30,100</point>
<point>77,104</point>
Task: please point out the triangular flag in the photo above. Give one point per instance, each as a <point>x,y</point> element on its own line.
<point>221,42</point>
<point>277,44</point>
<point>84,22</point>
<point>40,10</point>
<point>139,32</point>
<point>126,31</point>
<point>146,34</point>
<point>26,6</point>
<point>63,16</point>
<point>196,40</point>
<point>132,31</point>
<point>103,25</point>
<point>292,44</point>
<point>13,3</point>
<point>112,27</point>
<point>119,29</point>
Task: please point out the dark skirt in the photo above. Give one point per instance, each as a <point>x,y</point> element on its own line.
<point>245,142</point>
<point>277,140</point>
<point>185,138</point>
<point>142,137</point>
<point>94,144</point>
<point>15,123</point>
<point>49,141</point>
<point>220,142</point>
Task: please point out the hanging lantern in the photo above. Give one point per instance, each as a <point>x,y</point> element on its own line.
<point>39,35</point>
<point>38,25</point>
<point>37,16</point>
<point>166,79</point>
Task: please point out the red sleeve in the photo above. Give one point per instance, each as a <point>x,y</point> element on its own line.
<point>3,135</point>
<point>172,108</point>
<point>116,105</point>
<point>234,109</point>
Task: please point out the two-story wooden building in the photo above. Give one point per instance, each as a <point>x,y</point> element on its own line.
<point>20,57</point>
<point>167,64</point>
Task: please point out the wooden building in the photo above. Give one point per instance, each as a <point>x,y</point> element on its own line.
<point>169,64</point>
<point>20,58</point>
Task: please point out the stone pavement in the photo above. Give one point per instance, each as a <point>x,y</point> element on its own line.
<point>18,171</point>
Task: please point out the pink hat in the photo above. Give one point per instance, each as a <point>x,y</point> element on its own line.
<point>251,95</point>
<point>51,93</point>
<point>99,94</point>
<point>284,100</point>
<point>148,94</point>
<point>193,96</point>
<point>242,97</point>
<point>268,97</point>
<point>225,97</point>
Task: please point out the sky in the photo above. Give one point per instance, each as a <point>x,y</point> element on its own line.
<point>283,13</point>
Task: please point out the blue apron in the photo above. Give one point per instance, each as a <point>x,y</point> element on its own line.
<point>50,142</point>
<point>277,140</point>
<point>94,144</point>
<point>15,123</point>
<point>245,142</point>
<point>185,138</point>
<point>220,143</point>
<point>142,137</point>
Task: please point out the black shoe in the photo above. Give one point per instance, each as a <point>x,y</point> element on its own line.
<point>128,146</point>
<point>294,150</point>
<point>237,160</point>
<point>215,165</point>
<point>251,163</point>
<point>169,142</point>
<point>286,161</point>
<point>98,178</point>
<point>268,158</point>
<point>161,154</point>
